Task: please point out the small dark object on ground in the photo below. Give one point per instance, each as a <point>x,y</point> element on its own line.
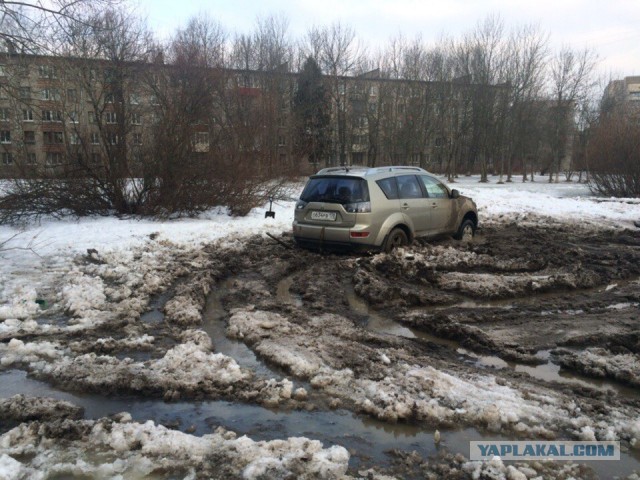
<point>279,241</point>
<point>270,213</point>
<point>637,223</point>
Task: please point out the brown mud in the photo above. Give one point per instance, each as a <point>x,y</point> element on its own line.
<point>344,327</point>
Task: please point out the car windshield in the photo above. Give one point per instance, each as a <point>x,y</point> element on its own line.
<point>342,190</point>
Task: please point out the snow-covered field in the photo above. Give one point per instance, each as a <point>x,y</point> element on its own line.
<point>88,269</point>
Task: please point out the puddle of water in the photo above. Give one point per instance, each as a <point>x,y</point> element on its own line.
<point>369,440</point>
<point>381,324</point>
<point>155,314</point>
<point>137,355</point>
<point>550,372</point>
<point>284,295</point>
<point>214,324</point>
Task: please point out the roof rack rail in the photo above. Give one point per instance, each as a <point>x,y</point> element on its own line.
<point>344,168</point>
<point>395,168</point>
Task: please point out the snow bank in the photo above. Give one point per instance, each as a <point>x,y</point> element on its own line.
<point>599,362</point>
<point>22,305</point>
<point>88,448</point>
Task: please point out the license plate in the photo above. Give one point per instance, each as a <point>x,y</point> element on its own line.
<point>326,216</point>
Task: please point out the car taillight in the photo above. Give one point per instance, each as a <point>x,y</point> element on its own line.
<point>360,207</point>
<point>300,204</point>
<point>359,234</point>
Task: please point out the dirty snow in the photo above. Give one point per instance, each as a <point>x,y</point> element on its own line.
<point>102,271</point>
<point>124,449</point>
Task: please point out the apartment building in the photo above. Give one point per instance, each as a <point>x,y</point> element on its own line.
<point>623,96</point>
<point>70,116</point>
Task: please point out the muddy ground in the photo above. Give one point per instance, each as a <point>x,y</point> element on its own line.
<point>526,332</point>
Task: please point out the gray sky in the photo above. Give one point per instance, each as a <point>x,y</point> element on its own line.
<point>611,27</point>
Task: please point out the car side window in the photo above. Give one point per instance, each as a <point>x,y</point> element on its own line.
<point>389,187</point>
<point>435,189</point>
<point>408,187</point>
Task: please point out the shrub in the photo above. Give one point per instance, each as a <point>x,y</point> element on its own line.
<point>614,157</point>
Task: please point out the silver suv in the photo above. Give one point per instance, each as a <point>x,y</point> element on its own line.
<point>381,207</point>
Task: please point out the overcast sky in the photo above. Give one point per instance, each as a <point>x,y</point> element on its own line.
<point>611,27</point>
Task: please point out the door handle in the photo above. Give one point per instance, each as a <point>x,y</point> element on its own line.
<point>405,206</point>
<point>434,205</point>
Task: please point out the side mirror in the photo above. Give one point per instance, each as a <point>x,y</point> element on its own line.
<point>455,193</point>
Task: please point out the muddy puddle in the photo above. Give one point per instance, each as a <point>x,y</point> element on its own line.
<point>547,370</point>
<point>214,323</point>
<point>368,440</point>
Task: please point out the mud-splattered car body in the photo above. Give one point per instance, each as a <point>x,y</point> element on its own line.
<point>379,208</point>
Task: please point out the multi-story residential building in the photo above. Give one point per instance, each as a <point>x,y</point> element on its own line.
<point>74,117</point>
<point>623,96</point>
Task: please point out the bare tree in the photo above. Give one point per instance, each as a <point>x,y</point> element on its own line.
<point>570,80</point>
<point>33,26</point>
<point>525,69</point>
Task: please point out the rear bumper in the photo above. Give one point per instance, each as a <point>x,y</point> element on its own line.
<point>319,236</point>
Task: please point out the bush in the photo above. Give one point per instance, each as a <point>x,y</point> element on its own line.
<point>614,157</point>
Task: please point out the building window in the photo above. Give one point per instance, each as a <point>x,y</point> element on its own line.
<point>32,158</point>
<point>93,118</point>
<point>29,137</point>
<point>5,136</point>
<point>281,141</point>
<point>113,139</point>
<point>7,158</point>
<point>51,116</point>
<point>3,71</point>
<point>109,98</point>
<point>47,71</point>
<point>201,141</point>
<point>27,115</point>
<point>134,99</point>
<point>136,119</point>
<point>5,115</point>
<point>74,139</point>
<point>73,117</point>
<point>25,93</point>
<point>54,158</point>
<point>110,117</point>
<point>53,138</point>
<point>362,122</point>
<point>52,94</point>
<point>137,139</point>
<point>95,138</point>
<point>72,95</point>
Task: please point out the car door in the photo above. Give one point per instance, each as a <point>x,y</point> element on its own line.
<point>439,203</point>
<point>413,203</point>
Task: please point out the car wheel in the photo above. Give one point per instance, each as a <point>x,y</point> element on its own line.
<point>466,231</point>
<point>397,238</point>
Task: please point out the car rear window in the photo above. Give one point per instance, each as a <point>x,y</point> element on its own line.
<point>335,190</point>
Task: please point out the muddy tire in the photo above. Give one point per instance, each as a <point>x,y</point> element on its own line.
<point>397,238</point>
<point>466,231</point>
